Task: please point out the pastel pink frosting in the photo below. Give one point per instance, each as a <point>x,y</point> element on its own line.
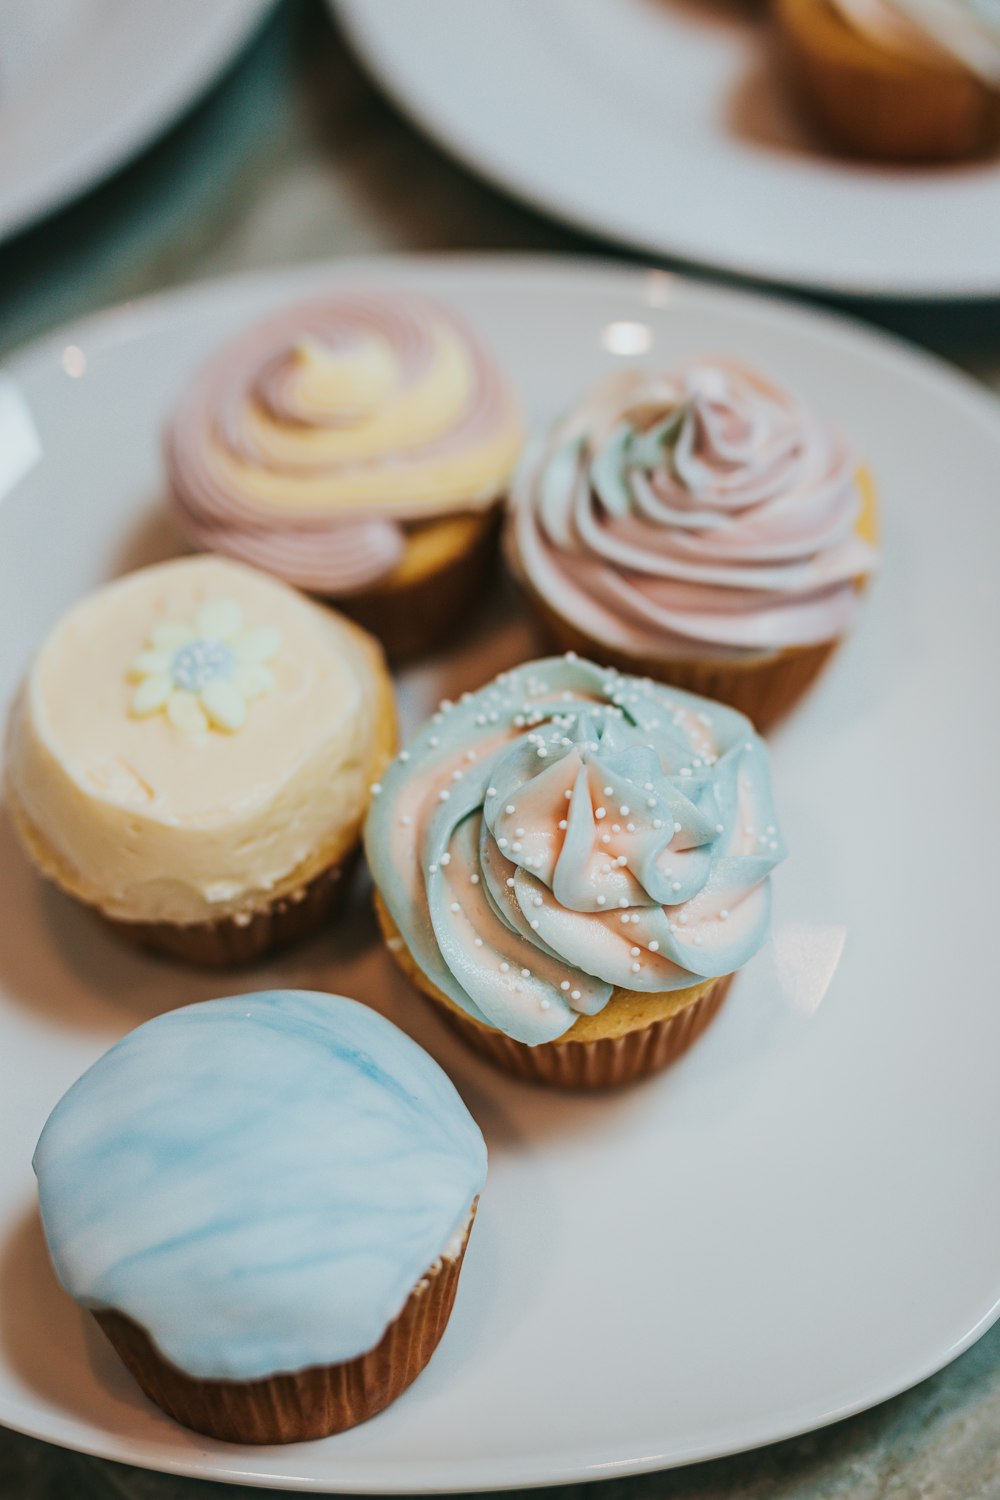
<point>306,444</point>
<point>693,514</point>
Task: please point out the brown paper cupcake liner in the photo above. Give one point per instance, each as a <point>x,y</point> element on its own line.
<point>764,687</point>
<point>873,104</point>
<point>410,619</point>
<point>244,937</point>
<point>307,1404</point>
<point>603,1063</point>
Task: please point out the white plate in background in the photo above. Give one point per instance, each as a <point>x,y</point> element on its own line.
<point>795,1222</point>
<point>665,125</point>
<point>85,84</point>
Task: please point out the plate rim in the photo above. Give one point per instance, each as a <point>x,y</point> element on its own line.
<point>358,21</point>
<point>103,153</point>
<point>135,320</point>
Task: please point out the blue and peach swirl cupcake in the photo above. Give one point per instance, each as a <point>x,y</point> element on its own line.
<point>572,863</point>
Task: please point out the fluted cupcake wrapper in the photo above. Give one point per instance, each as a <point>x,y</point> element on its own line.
<point>602,1063</point>
<point>306,1404</point>
<point>762,687</point>
<point>412,618</point>
<point>245,936</point>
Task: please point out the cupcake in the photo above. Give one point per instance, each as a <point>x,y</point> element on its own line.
<point>264,1201</point>
<point>358,447</point>
<point>191,753</point>
<point>572,863</point>
<point>703,528</point>
<point>901,80</point>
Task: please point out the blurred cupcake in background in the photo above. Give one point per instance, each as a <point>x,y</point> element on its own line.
<point>571,864</point>
<point>901,80</point>
<point>704,528</point>
<point>190,757</point>
<point>359,447</point>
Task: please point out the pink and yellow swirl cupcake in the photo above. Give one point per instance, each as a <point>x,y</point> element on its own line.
<point>357,446</point>
<point>704,528</point>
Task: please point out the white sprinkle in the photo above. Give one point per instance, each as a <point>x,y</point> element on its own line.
<point>501,843</point>
<point>491,791</point>
<point>541,752</point>
<point>657,822</point>
<point>605,838</point>
<point>650,801</point>
<point>510,881</point>
<point>544,1003</point>
<point>473,879</point>
<point>519,832</point>
<point>748,745</point>
<point>654,946</point>
<point>609,791</point>
<point>602,900</point>
<point>535,926</point>
<point>480,720</point>
<point>433,742</point>
<point>719,828</point>
<point>623,901</point>
<point>574,995</point>
<point>517,846</point>
<point>470,755</point>
<point>455,906</point>
<point>457,775</point>
<point>445,859</point>
<point>536,901</point>
<point>564,985</point>
<point>570,656</point>
<point>568,793</point>
<point>443,795</point>
<point>375,788</point>
<point>675,885</point>
<point>625,919</point>
<point>404,755</point>
<point>479,942</point>
<point>563,824</point>
<point>683,917</point>
<point>510,809</point>
<point>525,973</point>
<point>630,828</point>
<point>600,812</point>
<point>634,952</point>
<point>505,968</point>
<point>621,861</point>
<point>624,809</point>
<point>616,828</point>
<point>724,915</point>
<point>406,820</point>
<point>636,968</point>
<point>432,869</point>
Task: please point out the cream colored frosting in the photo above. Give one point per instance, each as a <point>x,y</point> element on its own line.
<point>153,822</point>
<point>966,32</point>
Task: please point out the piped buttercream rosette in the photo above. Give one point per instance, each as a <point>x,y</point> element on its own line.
<point>697,514</point>
<point>306,444</point>
<point>568,832</point>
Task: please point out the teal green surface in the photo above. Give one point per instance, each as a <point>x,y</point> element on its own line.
<point>296,156</point>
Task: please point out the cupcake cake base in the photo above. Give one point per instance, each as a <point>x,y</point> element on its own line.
<point>619,1045</point>
<point>241,939</point>
<point>763,687</point>
<point>306,1404</point>
<point>441,577</point>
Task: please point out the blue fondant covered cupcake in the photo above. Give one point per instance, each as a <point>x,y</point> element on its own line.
<point>265,1201</point>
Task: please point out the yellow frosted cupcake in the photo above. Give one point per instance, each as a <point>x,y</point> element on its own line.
<point>190,757</point>
<point>357,446</point>
<point>702,527</point>
<point>572,864</point>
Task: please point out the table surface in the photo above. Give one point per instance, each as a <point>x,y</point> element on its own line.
<point>296,156</point>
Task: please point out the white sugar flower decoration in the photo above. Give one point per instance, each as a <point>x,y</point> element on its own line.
<point>203,675</point>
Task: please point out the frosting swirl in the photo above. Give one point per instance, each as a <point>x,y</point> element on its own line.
<point>966,32</point>
<point>696,513</point>
<point>568,831</point>
<point>307,443</point>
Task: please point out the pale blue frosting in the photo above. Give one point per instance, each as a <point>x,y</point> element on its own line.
<point>567,832</point>
<point>259,1181</point>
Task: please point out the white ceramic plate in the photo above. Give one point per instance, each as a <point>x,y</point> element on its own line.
<point>663,124</point>
<point>85,84</point>
<point>799,1219</point>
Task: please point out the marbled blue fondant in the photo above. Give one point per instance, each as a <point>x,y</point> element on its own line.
<point>258,1181</point>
